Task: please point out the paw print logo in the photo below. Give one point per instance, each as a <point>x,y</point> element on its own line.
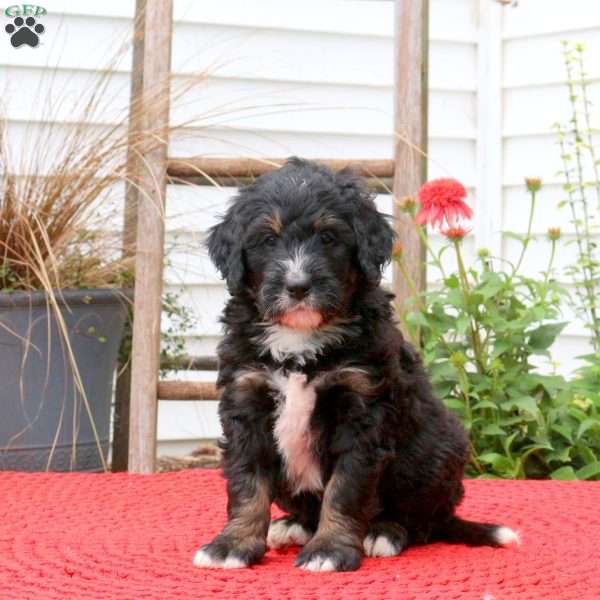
<point>24,31</point>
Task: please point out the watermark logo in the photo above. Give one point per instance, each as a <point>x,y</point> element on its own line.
<point>24,30</point>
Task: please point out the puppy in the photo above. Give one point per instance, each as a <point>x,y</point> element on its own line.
<point>325,409</point>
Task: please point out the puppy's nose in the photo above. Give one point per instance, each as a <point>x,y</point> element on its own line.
<point>297,287</point>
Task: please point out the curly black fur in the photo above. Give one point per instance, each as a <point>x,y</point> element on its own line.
<point>390,455</point>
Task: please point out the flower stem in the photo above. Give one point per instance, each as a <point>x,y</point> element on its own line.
<point>416,338</point>
<point>425,240</point>
<point>466,289</point>
<point>528,236</point>
<point>550,265</point>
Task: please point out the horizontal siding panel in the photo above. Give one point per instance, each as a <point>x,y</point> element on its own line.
<point>205,302</point>
<point>239,104</point>
<point>547,214</point>
<point>228,142</point>
<point>345,16</point>
<point>270,54</point>
<point>531,156</point>
<point>539,61</point>
<point>37,148</point>
<point>105,42</point>
<point>317,108</point>
<point>202,345</point>
<point>188,420</point>
<point>453,158</point>
<point>535,110</point>
<point>196,208</point>
<point>38,94</point>
<point>311,57</point>
<point>537,156</point>
<point>533,18</point>
<point>538,254</point>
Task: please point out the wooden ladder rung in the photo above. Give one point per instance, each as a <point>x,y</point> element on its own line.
<point>187,390</point>
<point>189,363</point>
<point>241,168</point>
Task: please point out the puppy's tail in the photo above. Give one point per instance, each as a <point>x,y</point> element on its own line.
<point>458,531</point>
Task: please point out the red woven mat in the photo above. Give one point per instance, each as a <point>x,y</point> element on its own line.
<point>91,537</point>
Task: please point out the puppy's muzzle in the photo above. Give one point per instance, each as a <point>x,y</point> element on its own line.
<point>297,286</point>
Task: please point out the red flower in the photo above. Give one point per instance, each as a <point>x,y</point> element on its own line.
<point>443,200</point>
<point>455,233</point>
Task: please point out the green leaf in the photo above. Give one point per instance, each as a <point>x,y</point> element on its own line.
<point>514,236</point>
<point>507,442</point>
<point>417,319</point>
<point>492,429</point>
<point>543,337</point>
<point>499,462</point>
<point>484,404</point>
<point>492,286</point>
<point>589,471</point>
<point>452,282</point>
<point>564,431</point>
<point>585,425</point>
<point>462,324</point>
<point>443,371</point>
<point>564,473</point>
<point>500,347</point>
<point>526,403</point>
<point>455,404</point>
<point>561,456</point>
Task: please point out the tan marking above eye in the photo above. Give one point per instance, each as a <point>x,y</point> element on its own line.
<point>325,220</point>
<point>274,223</point>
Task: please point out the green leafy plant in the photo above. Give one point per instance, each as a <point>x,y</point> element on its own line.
<point>480,332</point>
<point>581,184</point>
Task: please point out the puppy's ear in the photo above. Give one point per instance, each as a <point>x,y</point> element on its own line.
<point>374,235</point>
<point>225,250</point>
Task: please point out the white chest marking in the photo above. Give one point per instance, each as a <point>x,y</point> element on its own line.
<point>292,432</point>
<point>284,342</point>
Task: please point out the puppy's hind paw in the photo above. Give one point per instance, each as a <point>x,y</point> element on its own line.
<point>385,538</point>
<point>286,532</point>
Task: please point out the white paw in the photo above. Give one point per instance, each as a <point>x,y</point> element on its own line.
<point>203,560</point>
<point>506,536</point>
<point>380,546</point>
<point>282,534</point>
<point>319,563</point>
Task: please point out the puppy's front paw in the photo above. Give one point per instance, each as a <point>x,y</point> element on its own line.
<point>327,555</point>
<point>225,553</point>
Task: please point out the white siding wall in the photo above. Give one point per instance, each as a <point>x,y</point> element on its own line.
<point>315,79</point>
<point>534,97</point>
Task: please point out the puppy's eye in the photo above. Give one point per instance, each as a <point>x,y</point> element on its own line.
<point>269,240</point>
<point>327,237</point>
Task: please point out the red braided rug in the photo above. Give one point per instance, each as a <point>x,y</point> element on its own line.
<point>89,537</point>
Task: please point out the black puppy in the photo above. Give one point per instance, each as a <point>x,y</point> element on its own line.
<point>325,409</point>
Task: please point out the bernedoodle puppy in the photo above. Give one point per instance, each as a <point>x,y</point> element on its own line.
<point>326,410</point>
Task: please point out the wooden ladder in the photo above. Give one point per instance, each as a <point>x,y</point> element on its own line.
<point>153,169</point>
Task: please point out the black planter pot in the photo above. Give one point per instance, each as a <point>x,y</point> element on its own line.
<point>44,422</point>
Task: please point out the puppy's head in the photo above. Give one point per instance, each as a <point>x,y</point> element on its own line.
<point>301,241</point>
